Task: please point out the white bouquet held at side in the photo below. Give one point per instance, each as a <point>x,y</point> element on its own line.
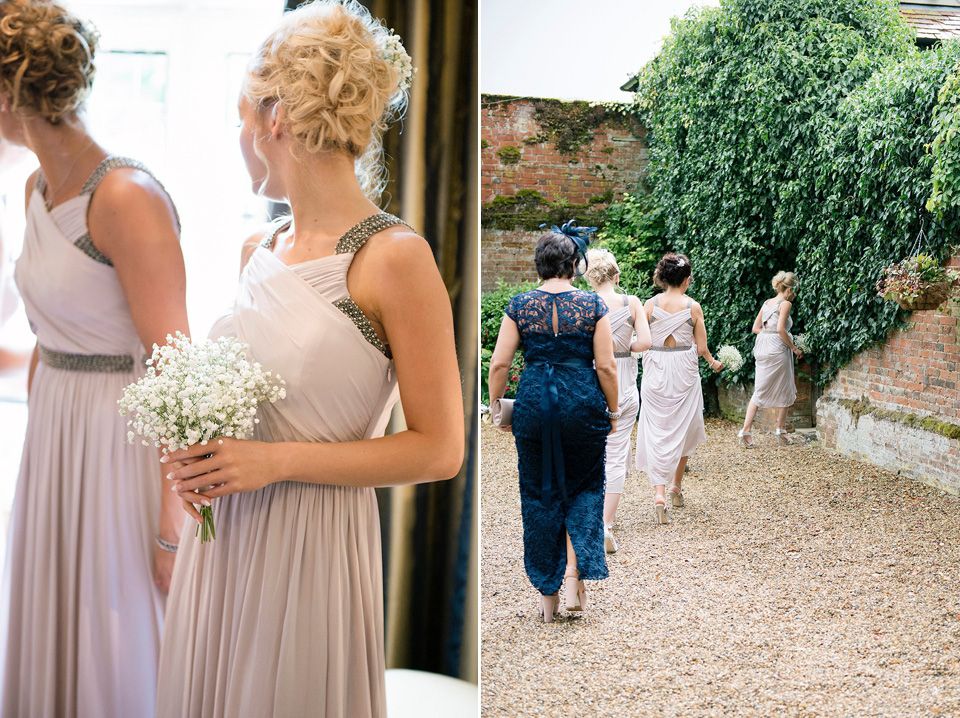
<point>195,392</point>
<point>800,342</point>
<point>730,358</point>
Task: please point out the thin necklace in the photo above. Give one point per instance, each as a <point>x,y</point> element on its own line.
<point>48,203</point>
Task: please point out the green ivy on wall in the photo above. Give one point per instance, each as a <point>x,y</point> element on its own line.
<point>792,134</point>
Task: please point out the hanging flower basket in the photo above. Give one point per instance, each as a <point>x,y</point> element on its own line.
<point>918,282</point>
<point>930,297</point>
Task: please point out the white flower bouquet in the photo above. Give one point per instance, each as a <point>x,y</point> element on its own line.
<point>800,342</point>
<point>195,392</point>
<point>730,357</point>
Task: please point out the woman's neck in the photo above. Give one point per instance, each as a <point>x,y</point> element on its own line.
<point>66,151</point>
<point>324,196</point>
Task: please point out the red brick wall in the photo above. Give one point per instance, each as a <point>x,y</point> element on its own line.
<point>615,161</point>
<point>916,371</point>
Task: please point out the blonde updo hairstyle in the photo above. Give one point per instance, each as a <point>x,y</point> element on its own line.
<point>46,59</point>
<point>325,68</point>
<point>785,282</point>
<point>601,267</point>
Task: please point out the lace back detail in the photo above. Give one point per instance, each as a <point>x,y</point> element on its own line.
<point>85,242</point>
<point>349,243</point>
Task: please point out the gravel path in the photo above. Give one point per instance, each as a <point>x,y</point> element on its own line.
<point>793,583</point>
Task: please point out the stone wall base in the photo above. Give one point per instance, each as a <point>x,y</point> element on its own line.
<point>921,454</point>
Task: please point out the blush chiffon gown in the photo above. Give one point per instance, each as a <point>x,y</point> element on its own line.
<point>618,457</point>
<point>671,408</point>
<point>80,616</point>
<point>282,614</point>
<point>774,385</point>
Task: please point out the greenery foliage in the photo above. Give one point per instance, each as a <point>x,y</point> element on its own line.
<point>634,232</point>
<point>793,134</point>
<point>492,306</point>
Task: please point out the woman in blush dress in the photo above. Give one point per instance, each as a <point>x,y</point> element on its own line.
<point>774,351</point>
<point>566,405</point>
<point>282,614</point>
<point>627,319</point>
<point>671,412</point>
<point>93,530</point>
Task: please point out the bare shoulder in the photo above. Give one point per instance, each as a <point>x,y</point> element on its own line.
<point>397,250</point>
<point>31,183</point>
<point>786,304</point>
<point>251,243</point>
<point>129,187</point>
<point>635,303</point>
<point>695,307</point>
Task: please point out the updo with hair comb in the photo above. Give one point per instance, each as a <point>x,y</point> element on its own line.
<point>326,66</point>
<point>46,59</point>
<point>672,270</point>
<point>601,267</point>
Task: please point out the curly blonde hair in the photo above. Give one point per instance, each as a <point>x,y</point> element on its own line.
<point>601,267</point>
<point>783,281</point>
<point>324,66</point>
<point>46,59</point>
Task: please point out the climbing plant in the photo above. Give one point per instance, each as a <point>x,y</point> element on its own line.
<point>791,134</point>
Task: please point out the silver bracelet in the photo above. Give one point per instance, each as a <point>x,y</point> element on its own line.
<point>166,545</point>
<point>614,414</point>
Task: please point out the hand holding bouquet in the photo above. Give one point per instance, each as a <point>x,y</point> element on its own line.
<point>730,357</point>
<point>195,392</point>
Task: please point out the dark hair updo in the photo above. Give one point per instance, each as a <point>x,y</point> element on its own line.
<point>555,256</point>
<point>672,270</point>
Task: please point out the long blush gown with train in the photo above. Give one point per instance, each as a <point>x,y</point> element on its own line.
<point>671,409</point>
<point>81,618</point>
<point>282,614</point>
<point>618,462</point>
<point>774,385</point>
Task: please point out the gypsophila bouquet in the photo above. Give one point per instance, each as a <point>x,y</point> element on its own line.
<point>195,392</point>
<point>396,55</point>
<point>730,358</point>
<point>800,342</point>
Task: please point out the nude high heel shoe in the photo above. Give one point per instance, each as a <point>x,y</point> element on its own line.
<point>745,439</point>
<point>783,436</point>
<point>675,495</point>
<point>549,606</point>
<point>575,592</point>
<point>660,515</point>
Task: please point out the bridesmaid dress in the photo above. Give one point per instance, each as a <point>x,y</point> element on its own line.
<point>282,614</point>
<point>671,409</point>
<point>81,617</point>
<point>618,441</point>
<point>774,385</point>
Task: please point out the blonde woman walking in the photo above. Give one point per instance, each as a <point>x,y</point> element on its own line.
<point>774,351</point>
<point>671,415</point>
<point>626,320</point>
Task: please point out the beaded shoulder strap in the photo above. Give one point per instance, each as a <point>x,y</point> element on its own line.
<point>349,243</point>
<point>85,242</point>
<point>690,304</point>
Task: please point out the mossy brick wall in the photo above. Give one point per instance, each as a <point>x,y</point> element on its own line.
<point>521,151</point>
<point>898,405</point>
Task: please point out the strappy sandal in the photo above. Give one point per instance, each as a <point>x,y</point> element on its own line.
<point>743,437</point>
<point>675,495</point>
<point>609,542</point>
<point>783,436</point>
<point>660,515</point>
<point>574,591</point>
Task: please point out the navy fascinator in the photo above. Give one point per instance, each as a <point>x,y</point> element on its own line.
<point>579,235</point>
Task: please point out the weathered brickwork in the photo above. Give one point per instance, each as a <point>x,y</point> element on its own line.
<point>802,415</point>
<point>517,154</point>
<point>915,372</point>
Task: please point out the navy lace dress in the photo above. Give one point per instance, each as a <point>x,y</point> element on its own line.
<point>560,426</point>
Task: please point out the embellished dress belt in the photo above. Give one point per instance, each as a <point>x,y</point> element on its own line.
<point>622,355</point>
<point>678,348</point>
<point>551,447</point>
<point>85,362</point>
<point>769,331</point>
